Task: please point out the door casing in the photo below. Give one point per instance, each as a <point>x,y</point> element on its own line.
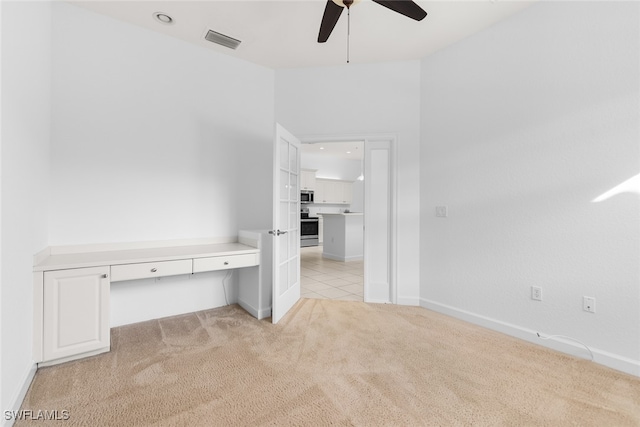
<point>392,173</point>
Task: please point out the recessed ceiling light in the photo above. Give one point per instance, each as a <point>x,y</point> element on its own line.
<point>348,152</point>
<point>163,18</point>
<point>322,148</point>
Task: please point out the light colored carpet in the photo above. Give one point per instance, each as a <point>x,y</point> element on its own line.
<point>330,363</point>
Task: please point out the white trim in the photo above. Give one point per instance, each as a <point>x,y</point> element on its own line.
<point>375,301</point>
<point>413,301</point>
<point>392,138</point>
<point>341,258</point>
<point>257,313</point>
<point>17,400</point>
<point>83,355</point>
<point>601,357</point>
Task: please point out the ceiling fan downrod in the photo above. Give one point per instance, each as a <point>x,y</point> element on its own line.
<point>347,4</point>
<point>348,30</point>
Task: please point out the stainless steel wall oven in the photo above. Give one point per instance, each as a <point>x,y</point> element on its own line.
<point>308,229</point>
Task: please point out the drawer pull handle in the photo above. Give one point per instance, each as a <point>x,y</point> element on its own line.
<point>226,263</point>
<point>153,270</point>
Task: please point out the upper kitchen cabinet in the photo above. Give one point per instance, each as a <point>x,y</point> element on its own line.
<point>307,179</point>
<point>333,191</point>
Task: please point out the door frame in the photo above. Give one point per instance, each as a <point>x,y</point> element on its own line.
<point>392,140</point>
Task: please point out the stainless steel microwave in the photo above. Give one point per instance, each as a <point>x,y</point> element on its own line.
<point>306,196</point>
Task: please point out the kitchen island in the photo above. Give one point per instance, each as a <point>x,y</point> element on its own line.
<point>343,236</point>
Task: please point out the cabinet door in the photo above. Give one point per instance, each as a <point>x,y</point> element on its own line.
<point>347,192</point>
<point>76,312</point>
<point>307,180</point>
<point>333,191</point>
<point>320,195</point>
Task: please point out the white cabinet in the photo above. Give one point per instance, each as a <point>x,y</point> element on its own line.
<point>76,312</point>
<point>319,195</point>
<point>307,179</point>
<point>347,192</point>
<point>333,191</point>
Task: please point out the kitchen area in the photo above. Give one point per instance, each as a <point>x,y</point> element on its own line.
<point>331,221</point>
<point>326,218</point>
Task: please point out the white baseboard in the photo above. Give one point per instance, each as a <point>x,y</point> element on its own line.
<point>342,258</point>
<point>377,301</point>
<point>258,314</point>
<point>17,400</point>
<point>414,301</point>
<point>601,357</point>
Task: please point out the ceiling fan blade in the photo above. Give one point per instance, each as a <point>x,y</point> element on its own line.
<point>331,14</point>
<point>405,7</point>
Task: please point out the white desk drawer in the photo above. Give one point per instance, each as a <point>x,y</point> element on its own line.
<point>224,262</point>
<point>150,269</point>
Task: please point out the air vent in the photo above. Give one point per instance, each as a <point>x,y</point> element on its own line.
<point>221,39</point>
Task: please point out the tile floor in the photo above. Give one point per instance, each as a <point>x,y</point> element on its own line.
<point>324,278</point>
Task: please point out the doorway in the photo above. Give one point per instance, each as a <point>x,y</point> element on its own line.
<point>372,277</point>
<point>323,278</point>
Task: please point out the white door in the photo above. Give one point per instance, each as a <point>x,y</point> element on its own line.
<point>286,223</point>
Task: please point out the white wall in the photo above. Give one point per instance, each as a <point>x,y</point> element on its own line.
<point>364,100</point>
<point>154,139</point>
<point>158,130</point>
<point>523,125</point>
<point>26,95</point>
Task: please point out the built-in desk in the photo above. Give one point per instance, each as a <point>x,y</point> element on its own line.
<point>71,287</point>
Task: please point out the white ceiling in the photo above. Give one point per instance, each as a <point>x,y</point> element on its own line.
<point>283,34</point>
<point>351,150</point>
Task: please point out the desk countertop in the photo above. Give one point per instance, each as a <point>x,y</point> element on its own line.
<point>133,256</point>
<point>341,213</point>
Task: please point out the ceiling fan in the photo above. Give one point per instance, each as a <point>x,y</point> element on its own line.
<point>334,8</point>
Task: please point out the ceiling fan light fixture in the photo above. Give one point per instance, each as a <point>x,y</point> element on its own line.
<point>341,3</point>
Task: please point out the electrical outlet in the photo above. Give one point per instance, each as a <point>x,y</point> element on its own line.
<point>536,293</point>
<point>441,211</point>
<point>589,304</point>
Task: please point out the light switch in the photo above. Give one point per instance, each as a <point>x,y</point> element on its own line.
<point>441,211</point>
